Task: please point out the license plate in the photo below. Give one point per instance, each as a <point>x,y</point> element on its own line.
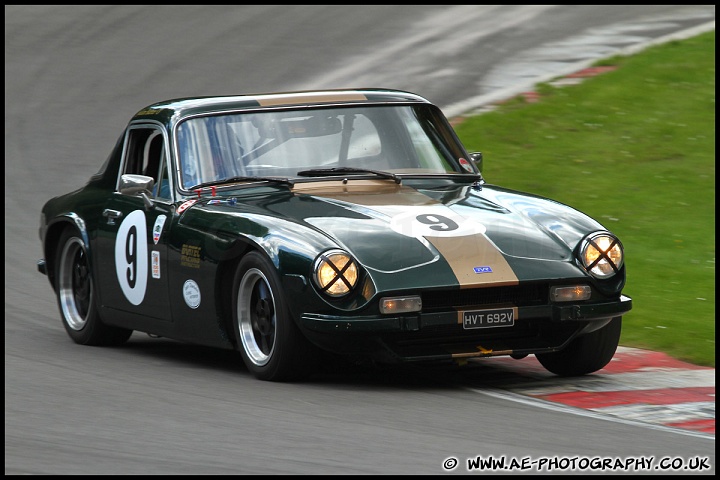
<point>498,317</point>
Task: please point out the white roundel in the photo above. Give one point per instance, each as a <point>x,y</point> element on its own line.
<point>131,257</point>
<point>191,294</point>
<point>434,221</point>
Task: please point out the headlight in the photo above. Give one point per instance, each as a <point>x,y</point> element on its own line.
<point>602,255</point>
<point>336,273</point>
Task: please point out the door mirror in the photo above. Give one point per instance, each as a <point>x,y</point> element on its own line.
<point>133,184</point>
<point>142,185</point>
<point>477,159</point>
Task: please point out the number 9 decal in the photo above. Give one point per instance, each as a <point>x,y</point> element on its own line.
<point>131,257</point>
<point>434,221</point>
<point>438,223</point>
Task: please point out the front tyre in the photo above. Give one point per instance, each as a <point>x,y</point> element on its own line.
<point>75,289</point>
<point>585,354</point>
<point>271,345</point>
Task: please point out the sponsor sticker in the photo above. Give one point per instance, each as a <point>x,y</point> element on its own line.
<point>482,269</point>
<point>186,205</point>
<point>157,228</point>
<point>466,165</point>
<point>190,256</point>
<point>191,294</point>
<point>155,256</point>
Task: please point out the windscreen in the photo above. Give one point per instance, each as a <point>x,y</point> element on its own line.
<point>281,143</point>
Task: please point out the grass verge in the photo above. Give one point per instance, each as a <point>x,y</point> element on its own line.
<point>635,149</point>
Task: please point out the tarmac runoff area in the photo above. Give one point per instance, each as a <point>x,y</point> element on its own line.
<point>637,386</point>
<point>572,72</point>
<point>531,96</point>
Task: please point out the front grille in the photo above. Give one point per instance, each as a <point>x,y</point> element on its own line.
<point>519,295</point>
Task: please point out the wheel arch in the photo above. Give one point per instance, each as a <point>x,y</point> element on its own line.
<point>228,265</point>
<point>225,278</point>
<point>52,236</point>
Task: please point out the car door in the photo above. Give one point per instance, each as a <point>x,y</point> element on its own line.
<point>132,236</point>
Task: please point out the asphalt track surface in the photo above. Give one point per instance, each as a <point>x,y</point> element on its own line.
<point>73,78</point>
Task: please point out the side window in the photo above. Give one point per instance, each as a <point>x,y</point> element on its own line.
<point>145,155</point>
<point>189,154</point>
<point>134,153</point>
<point>162,185</point>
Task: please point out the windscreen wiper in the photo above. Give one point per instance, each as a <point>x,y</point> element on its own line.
<point>225,181</point>
<point>327,172</point>
<point>470,177</point>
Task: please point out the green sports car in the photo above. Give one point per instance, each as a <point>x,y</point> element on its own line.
<point>352,222</point>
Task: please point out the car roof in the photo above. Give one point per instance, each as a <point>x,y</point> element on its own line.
<point>172,111</point>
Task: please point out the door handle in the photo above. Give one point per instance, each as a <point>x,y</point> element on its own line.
<point>112,215</point>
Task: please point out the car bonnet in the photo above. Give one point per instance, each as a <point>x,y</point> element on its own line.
<point>484,236</point>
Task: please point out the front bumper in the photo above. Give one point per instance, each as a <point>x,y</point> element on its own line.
<point>437,336</point>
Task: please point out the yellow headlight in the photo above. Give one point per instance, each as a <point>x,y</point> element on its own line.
<point>602,255</point>
<point>336,273</point>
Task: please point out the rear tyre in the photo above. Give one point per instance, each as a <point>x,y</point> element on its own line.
<point>75,289</point>
<point>271,345</point>
<point>585,354</point>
